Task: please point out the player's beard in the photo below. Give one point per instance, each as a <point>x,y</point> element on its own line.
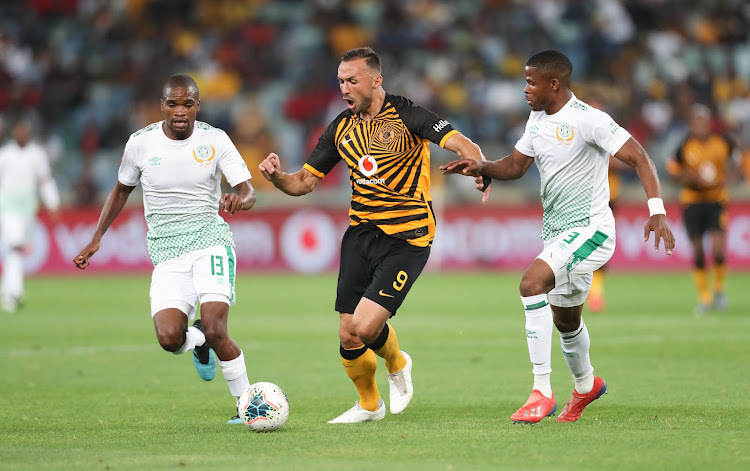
<point>363,105</point>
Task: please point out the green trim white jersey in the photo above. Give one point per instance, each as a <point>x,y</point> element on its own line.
<point>181,182</point>
<point>571,149</point>
<point>25,177</point>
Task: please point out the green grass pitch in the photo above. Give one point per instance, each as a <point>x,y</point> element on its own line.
<point>84,384</point>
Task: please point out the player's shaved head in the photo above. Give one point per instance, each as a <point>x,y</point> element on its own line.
<point>180,81</point>
<point>368,54</point>
<point>553,64</point>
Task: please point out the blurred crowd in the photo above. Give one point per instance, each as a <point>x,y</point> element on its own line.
<point>89,72</point>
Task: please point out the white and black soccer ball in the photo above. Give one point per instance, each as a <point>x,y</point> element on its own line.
<point>263,407</point>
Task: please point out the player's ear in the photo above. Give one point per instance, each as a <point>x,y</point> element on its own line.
<point>377,82</point>
<point>554,84</point>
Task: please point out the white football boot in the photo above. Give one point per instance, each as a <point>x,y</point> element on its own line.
<point>401,387</point>
<point>357,414</point>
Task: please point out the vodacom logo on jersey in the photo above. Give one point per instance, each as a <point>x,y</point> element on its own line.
<point>368,165</point>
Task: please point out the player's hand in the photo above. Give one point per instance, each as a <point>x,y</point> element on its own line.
<point>660,227</point>
<point>82,259</point>
<point>484,184</point>
<point>231,202</point>
<point>270,168</point>
<point>467,167</point>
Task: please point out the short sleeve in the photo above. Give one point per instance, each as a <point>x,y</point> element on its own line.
<point>606,133</point>
<point>325,155</point>
<point>129,173</point>
<point>230,161</point>
<point>423,122</point>
<point>524,144</point>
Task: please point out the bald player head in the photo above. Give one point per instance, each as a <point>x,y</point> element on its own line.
<point>180,103</point>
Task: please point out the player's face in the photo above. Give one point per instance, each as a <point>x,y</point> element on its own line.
<point>21,134</point>
<point>358,84</point>
<point>700,125</point>
<point>538,90</point>
<point>180,106</point>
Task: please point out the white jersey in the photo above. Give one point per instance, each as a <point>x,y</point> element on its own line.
<point>181,182</point>
<point>25,176</point>
<point>571,149</point>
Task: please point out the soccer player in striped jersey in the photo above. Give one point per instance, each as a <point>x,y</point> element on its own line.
<point>570,142</point>
<point>704,164</point>
<point>179,163</point>
<point>385,141</point>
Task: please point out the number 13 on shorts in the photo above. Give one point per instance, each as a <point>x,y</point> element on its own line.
<point>214,271</point>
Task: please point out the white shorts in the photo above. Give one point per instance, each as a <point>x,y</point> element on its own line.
<point>204,275</point>
<point>573,256</point>
<point>15,228</point>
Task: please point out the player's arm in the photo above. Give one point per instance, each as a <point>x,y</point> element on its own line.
<point>242,200</point>
<point>48,191</point>
<point>633,154</point>
<point>112,207</point>
<point>510,167</point>
<point>294,184</point>
<point>466,149</point>
<point>734,159</point>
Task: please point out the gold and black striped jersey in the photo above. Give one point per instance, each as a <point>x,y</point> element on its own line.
<point>711,159</point>
<point>389,165</point>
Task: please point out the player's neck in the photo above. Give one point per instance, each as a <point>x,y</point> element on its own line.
<point>559,101</point>
<point>700,137</point>
<point>375,106</point>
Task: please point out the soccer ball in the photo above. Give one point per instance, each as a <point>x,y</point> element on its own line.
<point>263,407</point>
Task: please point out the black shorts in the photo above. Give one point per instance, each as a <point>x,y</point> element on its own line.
<point>378,267</point>
<point>702,217</point>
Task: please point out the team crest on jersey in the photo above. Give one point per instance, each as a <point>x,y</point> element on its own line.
<point>204,154</point>
<point>564,133</point>
<point>368,165</point>
<point>386,135</point>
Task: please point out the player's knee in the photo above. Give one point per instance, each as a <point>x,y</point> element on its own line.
<point>349,339</point>
<point>367,332</point>
<point>215,332</point>
<point>531,286</point>
<point>170,338</point>
<point>699,261</point>
<point>719,259</point>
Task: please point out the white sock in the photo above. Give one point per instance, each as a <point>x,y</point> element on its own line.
<point>12,283</point>
<point>542,384</point>
<point>539,339</point>
<point>575,347</point>
<point>235,373</point>
<point>193,338</point>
